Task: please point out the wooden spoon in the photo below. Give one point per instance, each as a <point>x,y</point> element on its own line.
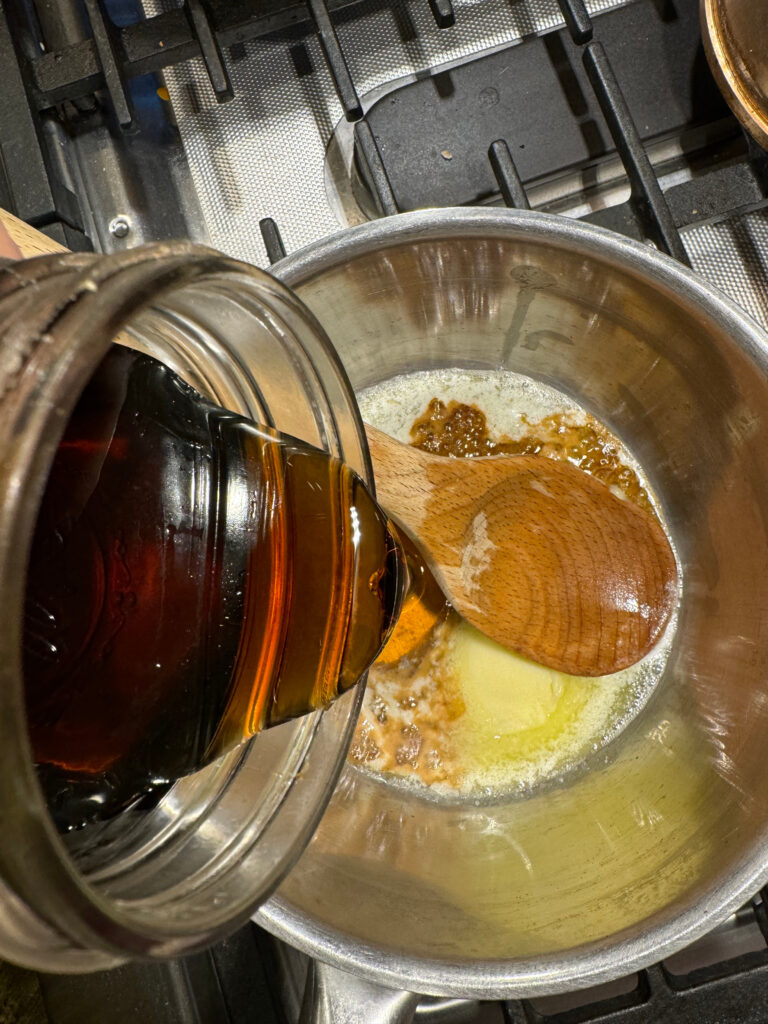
<point>537,554</point>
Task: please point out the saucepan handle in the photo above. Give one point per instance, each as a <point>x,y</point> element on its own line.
<point>332,996</point>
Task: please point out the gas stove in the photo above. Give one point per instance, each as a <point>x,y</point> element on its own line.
<point>259,126</point>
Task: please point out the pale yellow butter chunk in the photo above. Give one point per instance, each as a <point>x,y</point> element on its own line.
<point>503,693</point>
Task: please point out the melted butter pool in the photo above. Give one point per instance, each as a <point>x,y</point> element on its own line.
<point>462,716</point>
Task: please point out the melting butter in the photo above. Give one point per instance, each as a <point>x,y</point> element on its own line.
<point>523,722</point>
<point>465,716</point>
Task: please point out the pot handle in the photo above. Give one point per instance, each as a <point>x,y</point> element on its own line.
<point>333,996</point>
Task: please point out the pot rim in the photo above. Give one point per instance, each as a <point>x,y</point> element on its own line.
<point>625,952</point>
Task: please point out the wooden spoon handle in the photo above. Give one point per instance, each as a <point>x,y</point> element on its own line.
<point>397,470</point>
<point>28,241</point>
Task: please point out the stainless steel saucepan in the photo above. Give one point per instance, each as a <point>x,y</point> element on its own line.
<point>651,847</point>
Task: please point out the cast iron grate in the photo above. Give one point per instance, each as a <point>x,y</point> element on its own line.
<point>61,57</point>
<point>566,102</point>
<point>647,198</point>
<point>95,53</point>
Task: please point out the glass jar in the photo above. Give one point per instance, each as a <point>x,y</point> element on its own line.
<point>185,872</point>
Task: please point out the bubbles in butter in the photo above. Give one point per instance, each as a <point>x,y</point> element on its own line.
<point>524,723</point>
<point>465,716</point>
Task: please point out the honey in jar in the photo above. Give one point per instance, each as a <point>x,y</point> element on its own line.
<point>193,579</point>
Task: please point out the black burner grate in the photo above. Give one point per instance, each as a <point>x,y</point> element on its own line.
<point>71,62</point>
<point>559,103</point>
<point>63,57</point>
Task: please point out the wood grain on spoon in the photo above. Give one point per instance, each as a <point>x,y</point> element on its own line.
<point>18,239</point>
<point>537,554</point>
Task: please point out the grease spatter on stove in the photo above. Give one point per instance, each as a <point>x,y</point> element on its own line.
<point>459,715</point>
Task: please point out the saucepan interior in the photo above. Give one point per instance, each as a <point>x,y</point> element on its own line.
<point>636,856</point>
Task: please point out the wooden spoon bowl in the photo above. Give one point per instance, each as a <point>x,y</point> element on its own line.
<point>537,554</point>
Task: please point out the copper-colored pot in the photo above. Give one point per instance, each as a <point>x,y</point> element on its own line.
<point>735,34</point>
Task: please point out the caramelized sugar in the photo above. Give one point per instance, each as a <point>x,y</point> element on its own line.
<point>409,715</point>
<point>462,430</point>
